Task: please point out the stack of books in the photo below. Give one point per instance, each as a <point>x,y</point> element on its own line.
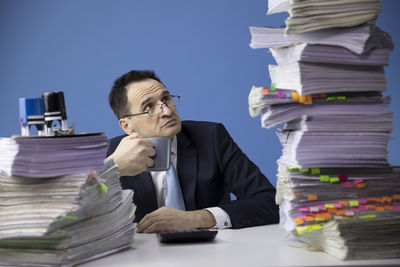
<point>335,188</point>
<point>75,212</point>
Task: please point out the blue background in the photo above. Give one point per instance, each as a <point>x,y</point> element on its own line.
<point>198,48</point>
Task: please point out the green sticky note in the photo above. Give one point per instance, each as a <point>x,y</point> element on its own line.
<point>367,216</point>
<point>103,187</point>
<point>334,179</point>
<point>330,98</point>
<point>304,170</point>
<point>353,203</point>
<point>341,98</point>
<point>315,171</point>
<point>293,168</point>
<point>273,87</point>
<point>316,226</point>
<point>324,178</point>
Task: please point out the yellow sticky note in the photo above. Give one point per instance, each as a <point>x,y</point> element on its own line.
<point>295,96</point>
<point>316,226</point>
<point>329,205</point>
<point>353,203</point>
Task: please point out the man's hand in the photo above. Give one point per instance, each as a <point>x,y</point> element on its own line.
<point>133,155</point>
<point>166,218</point>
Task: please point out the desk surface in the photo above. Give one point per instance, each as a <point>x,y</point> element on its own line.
<point>254,246</point>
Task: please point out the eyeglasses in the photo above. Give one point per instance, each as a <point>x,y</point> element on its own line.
<point>153,110</point>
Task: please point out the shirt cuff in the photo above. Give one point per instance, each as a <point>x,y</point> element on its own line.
<point>221,217</point>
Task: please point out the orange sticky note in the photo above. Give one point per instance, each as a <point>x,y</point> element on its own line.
<point>295,96</point>
<point>396,196</point>
<point>308,100</point>
<point>361,185</point>
<point>322,95</point>
<point>264,91</point>
<point>379,208</point>
<point>387,199</point>
<point>312,197</point>
<point>309,218</point>
<point>298,221</point>
<point>343,203</point>
<point>303,99</point>
<point>340,212</point>
<point>296,194</point>
<point>389,207</point>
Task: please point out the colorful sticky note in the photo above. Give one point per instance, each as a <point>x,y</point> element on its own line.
<point>69,217</point>
<point>330,98</point>
<point>361,185</point>
<point>396,196</point>
<point>367,216</point>
<point>358,181</point>
<point>316,226</point>
<point>293,168</point>
<point>273,87</point>
<point>349,213</point>
<point>324,178</point>
<point>348,185</point>
<point>337,205</point>
<point>298,221</point>
<point>396,207</point>
<point>308,100</point>
<point>281,94</point>
<point>103,187</point>
<point>387,199</point>
<point>353,203</point>
<point>304,209</point>
<point>363,207</point>
<point>303,99</point>
<point>341,98</point>
<point>312,197</point>
<point>302,229</point>
<point>304,170</point>
<point>321,207</point>
<point>334,179</point>
<point>322,95</point>
<point>329,205</point>
<point>315,171</point>
<point>362,200</point>
<point>311,218</point>
<point>295,96</point>
<point>343,177</point>
<point>264,91</point>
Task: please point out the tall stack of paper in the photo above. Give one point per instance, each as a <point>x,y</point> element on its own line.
<point>335,188</point>
<point>75,217</point>
<point>311,15</point>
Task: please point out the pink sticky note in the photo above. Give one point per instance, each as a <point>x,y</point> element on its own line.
<point>363,207</point>
<point>321,207</point>
<point>362,200</point>
<point>314,96</point>
<point>355,209</point>
<point>337,205</point>
<point>348,184</point>
<point>302,217</point>
<point>281,94</point>
<point>358,181</point>
<point>304,209</point>
<point>396,207</point>
<point>343,177</point>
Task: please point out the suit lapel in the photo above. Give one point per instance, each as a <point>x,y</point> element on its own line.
<point>187,169</point>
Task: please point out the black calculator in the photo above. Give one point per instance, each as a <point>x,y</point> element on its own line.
<point>187,235</point>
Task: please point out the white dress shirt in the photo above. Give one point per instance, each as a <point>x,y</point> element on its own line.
<point>221,217</point>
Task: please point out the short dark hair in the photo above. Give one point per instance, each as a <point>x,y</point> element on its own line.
<point>117,98</point>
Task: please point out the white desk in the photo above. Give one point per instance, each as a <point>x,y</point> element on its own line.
<point>254,246</point>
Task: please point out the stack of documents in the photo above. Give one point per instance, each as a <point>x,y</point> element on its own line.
<point>49,156</point>
<point>335,188</point>
<point>311,15</point>
<point>67,219</point>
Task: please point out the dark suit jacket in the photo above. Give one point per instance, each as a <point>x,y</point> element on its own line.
<point>210,165</point>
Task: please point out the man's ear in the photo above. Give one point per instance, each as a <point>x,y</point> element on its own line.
<point>126,126</point>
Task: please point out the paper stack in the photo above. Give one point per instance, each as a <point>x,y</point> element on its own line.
<point>74,217</point>
<point>335,188</point>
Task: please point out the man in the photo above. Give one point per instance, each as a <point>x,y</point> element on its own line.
<point>208,163</point>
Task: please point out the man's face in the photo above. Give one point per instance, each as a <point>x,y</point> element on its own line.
<point>142,95</point>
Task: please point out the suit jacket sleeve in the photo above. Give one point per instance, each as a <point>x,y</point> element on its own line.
<point>255,204</point>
